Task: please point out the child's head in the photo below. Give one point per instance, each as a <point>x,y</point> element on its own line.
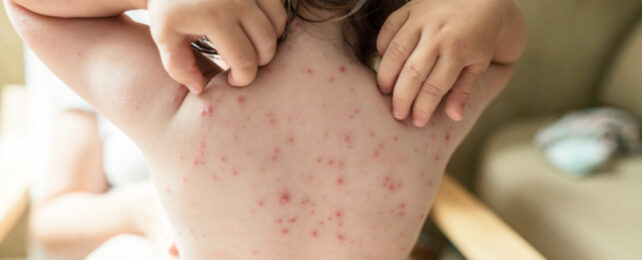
<point>362,20</point>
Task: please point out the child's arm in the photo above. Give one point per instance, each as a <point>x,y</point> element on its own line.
<point>244,32</point>
<point>111,62</point>
<point>431,47</point>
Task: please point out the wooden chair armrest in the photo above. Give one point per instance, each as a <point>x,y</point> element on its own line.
<point>14,195</point>
<point>474,229</point>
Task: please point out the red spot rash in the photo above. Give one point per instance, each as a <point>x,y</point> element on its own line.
<point>268,70</point>
<point>261,203</point>
<point>395,138</point>
<point>291,139</point>
<point>223,159</point>
<point>284,198</point>
<point>447,136</point>
<point>309,71</point>
<point>319,160</point>
<point>342,69</point>
<point>235,173</point>
<point>255,252</point>
<point>340,237</point>
<point>314,233</point>
<point>437,158</point>
<point>285,231</point>
<point>292,220</point>
<point>338,214</point>
<point>206,111</point>
<point>241,100</point>
<point>372,134</point>
<point>331,79</point>
<point>391,185</point>
<point>271,118</point>
<point>340,181</point>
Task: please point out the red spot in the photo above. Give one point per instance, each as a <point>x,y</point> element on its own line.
<point>372,134</point>
<point>376,153</point>
<point>338,214</point>
<point>168,190</point>
<point>340,237</point>
<point>285,231</point>
<point>314,233</point>
<point>342,69</point>
<point>235,173</point>
<point>391,185</point>
<point>285,198</point>
<point>291,139</point>
<point>309,71</point>
<point>241,100</point>
<point>280,221</point>
<point>325,135</point>
<point>255,252</point>
<point>268,70</point>
<point>319,160</point>
<point>447,137</point>
<point>331,79</point>
<point>321,223</point>
<point>340,181</point>
<point>437,158</point>
<point>331,162</point>
<point>395,138</point>
<point>261,203</point>
<point>207,111</point>
<point>292,220</point>
<point>181,157</point>
<point>223,159</point>
<point>271,118</point>
<point>402,205</point>
<point>173,250</point>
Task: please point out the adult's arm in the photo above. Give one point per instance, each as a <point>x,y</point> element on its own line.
<point>111,62</point>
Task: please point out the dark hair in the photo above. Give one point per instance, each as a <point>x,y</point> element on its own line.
<point>362,27</point>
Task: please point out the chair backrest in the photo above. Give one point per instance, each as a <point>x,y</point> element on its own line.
<point>623,84</point>
<point>570,45</point>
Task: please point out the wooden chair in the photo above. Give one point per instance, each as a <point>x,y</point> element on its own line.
<point>475,230</point>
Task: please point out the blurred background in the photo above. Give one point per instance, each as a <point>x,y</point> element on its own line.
<point>571,188</point>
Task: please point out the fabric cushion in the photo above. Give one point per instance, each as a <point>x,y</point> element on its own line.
<point>623,84</point>
<point>599,217</point>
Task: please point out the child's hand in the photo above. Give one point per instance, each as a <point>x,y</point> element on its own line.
<point>244,32</point>
<point>428,45</point>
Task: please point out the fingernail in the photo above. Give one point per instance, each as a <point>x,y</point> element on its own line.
<point>396,113</point>
<point>417,122</point>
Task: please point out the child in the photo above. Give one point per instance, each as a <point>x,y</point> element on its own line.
<point>303,164</point>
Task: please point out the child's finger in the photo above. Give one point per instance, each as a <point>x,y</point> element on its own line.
<point>412,76</point>
<point>395,56</point>
<point>178,59</point>
<point>261,33</point>
<point>440,80</point>
<point>460,93</point>
<point>391,26</point>
<point>234,46</point>
<point>276,13</point>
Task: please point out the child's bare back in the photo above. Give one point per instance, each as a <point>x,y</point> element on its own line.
<point>305,163</point>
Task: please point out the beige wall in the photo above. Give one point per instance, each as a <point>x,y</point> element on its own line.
<point>11,61</point>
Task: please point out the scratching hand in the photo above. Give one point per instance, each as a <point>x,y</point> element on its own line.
<point>429,45</point>
<point>244,33</point>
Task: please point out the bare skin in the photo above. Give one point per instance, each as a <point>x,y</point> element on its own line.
<point>305,163</point>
